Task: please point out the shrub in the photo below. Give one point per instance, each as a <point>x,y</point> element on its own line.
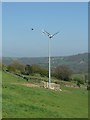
<point>63,72</point>
<point>78,83</point>
<point>15,67</point>
<point>79,80</point>
<point>28,69</point>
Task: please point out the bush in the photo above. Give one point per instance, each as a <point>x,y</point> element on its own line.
<point>88,87</point>
<point>28,69</point>
<point>57,82</point>
<point>79,80</point>
<point>78,83</point>
<point>15,67</point>
<point>35,69</point>
<point>63,72</point>
<point>43,72</point>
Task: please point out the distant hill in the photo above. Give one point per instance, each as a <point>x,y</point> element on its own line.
<point>78,63</point>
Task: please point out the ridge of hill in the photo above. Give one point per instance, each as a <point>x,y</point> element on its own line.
<point>78,63</point>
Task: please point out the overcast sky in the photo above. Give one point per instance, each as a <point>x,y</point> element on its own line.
<point>70,19</point>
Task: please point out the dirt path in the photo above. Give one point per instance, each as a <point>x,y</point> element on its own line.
<point>26,84</point>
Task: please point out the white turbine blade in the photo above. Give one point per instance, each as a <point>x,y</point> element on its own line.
<point>43,31</point>
<point>47,32</point>
<point>55,34</point>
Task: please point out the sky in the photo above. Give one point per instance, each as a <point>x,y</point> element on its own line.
<point>70,19</point>
<point>45,0</point>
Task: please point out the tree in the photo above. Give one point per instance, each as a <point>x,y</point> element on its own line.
<point>63,72</point>
<point>39,70</point>
<point>28,69</point>
<point>16,67</point>
<point>43,72</point>
<point>36,68</point>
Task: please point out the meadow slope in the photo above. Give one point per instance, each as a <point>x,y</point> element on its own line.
<point>33,102</point>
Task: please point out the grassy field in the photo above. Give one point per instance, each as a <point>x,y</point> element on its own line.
<point>32,102</point>
<point>0,94</point>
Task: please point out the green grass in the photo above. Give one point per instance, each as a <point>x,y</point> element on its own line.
<point>26,102</point>
<point>0,94</point>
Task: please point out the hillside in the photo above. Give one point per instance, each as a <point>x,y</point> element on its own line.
<point>78,63</point>
<point>21,101</point>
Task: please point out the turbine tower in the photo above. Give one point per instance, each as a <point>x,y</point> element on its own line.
<point>50,36</point>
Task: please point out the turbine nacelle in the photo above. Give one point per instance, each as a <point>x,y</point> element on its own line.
<point>48,34</point>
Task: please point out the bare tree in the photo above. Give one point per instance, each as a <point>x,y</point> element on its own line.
<point>63,72</point>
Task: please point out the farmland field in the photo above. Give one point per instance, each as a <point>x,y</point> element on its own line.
<point>20,101</point>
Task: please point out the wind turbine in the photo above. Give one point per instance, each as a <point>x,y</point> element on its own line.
<point>50,37</point>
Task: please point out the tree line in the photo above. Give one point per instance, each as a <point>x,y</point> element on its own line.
<point>61,72</point>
